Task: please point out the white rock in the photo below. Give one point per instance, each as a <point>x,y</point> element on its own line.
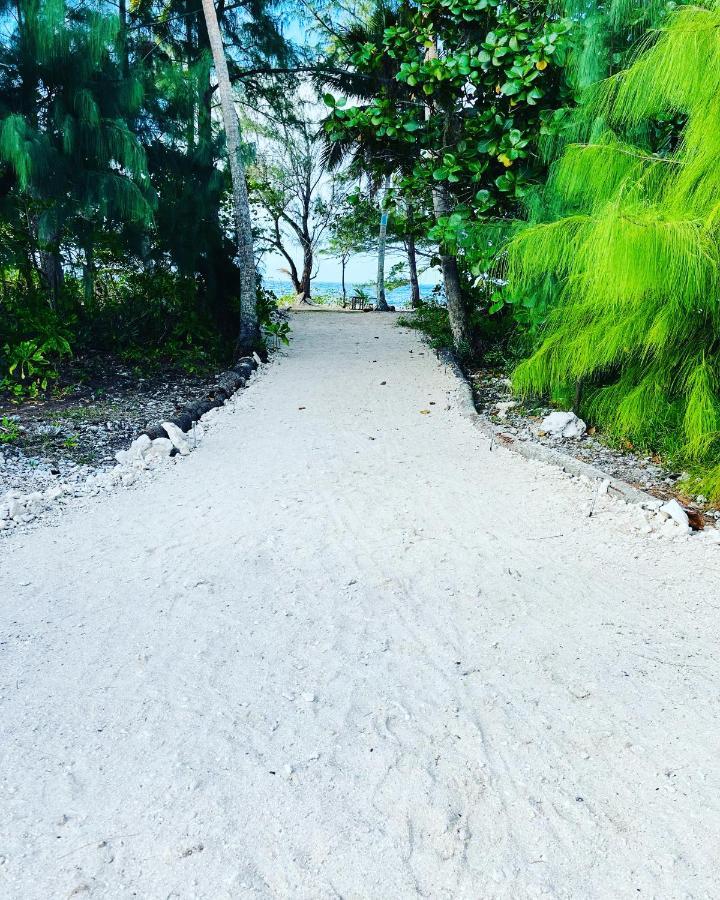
<point>135,451</point>
<point>178,438</point>
<point>160,449</point>
<point>504,407</point>
<point>140,444</point>
<point>673,509</point>
<point>563,425</point>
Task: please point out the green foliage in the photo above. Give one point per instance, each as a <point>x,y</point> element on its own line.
<point>279,330</point>
<point>635,267</point>
<point>9,431</point>
<point>476,79</point>
<point>115,234</point>
<point>432,320</point>
<point>31,365</point>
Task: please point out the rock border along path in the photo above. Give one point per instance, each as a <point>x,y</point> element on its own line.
<point>156,445</point>
<point>346,650</point>
<point>534,450</point>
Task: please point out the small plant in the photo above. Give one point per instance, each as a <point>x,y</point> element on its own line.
<point>279,330</point>
<point>71,442</point>
<point>9,431</point>
<point>31,365</point>
<point>362,294</point>
<point>432,319</point>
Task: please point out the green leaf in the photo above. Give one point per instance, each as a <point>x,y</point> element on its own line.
<point>511,88</point>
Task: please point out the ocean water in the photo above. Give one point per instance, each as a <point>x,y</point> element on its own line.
<point>399,298</point>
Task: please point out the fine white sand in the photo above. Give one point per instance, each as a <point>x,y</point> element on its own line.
<point>344,650</point>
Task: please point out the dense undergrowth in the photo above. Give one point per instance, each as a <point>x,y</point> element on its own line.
<point>149,320</point>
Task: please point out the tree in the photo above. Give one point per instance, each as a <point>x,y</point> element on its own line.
<point>410,237</point>
<point>290,184</point>
<point>71,164</point>
<point>471,109</point>
<point>348,236</point>
<point>382,304</point>
<point>633,257</point>
<point>249,339</point>
<point>375,156</point>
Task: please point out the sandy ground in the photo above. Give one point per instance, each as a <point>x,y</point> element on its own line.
<point>343,650</point>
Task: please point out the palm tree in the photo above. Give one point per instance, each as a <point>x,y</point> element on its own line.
<point>249,334</point>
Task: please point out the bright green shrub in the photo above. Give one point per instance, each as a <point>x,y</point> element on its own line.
<point>634,259</point>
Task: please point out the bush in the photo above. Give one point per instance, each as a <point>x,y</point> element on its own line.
<point>432,319</point>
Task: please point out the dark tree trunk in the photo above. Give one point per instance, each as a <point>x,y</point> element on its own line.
<point>89,277</point>
<point>52,273</point>
<point>343,263</point>
<point>457,313</point>
<point>190,54</point>
<point>307,271</point>
<point>412,258</point>
<point>412,268</point>
<point>122,37</point>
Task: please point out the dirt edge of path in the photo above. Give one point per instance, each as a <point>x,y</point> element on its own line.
<point>530,449</point>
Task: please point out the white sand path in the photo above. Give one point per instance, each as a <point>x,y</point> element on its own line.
<point>343,650</point>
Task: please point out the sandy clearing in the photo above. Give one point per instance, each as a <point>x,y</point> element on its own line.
<point>346,651</point>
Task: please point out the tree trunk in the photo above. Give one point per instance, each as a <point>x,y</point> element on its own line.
<point>412,257</point>
<point>249,334</point>
<point>457,313</point>
<point>451,276</point>
<point>52,273</point>
<point>382,238</point>
<point>343,263</point>
<point>307,272</point>
<point>190,56</point>
<point>88,277</point>
<point>412,269</point>
<point>50,263</point>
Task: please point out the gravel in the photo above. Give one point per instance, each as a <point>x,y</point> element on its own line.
<point>65,446</point>
<point>70,438</point>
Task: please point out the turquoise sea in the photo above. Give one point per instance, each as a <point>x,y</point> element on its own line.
<point>399,298</point>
